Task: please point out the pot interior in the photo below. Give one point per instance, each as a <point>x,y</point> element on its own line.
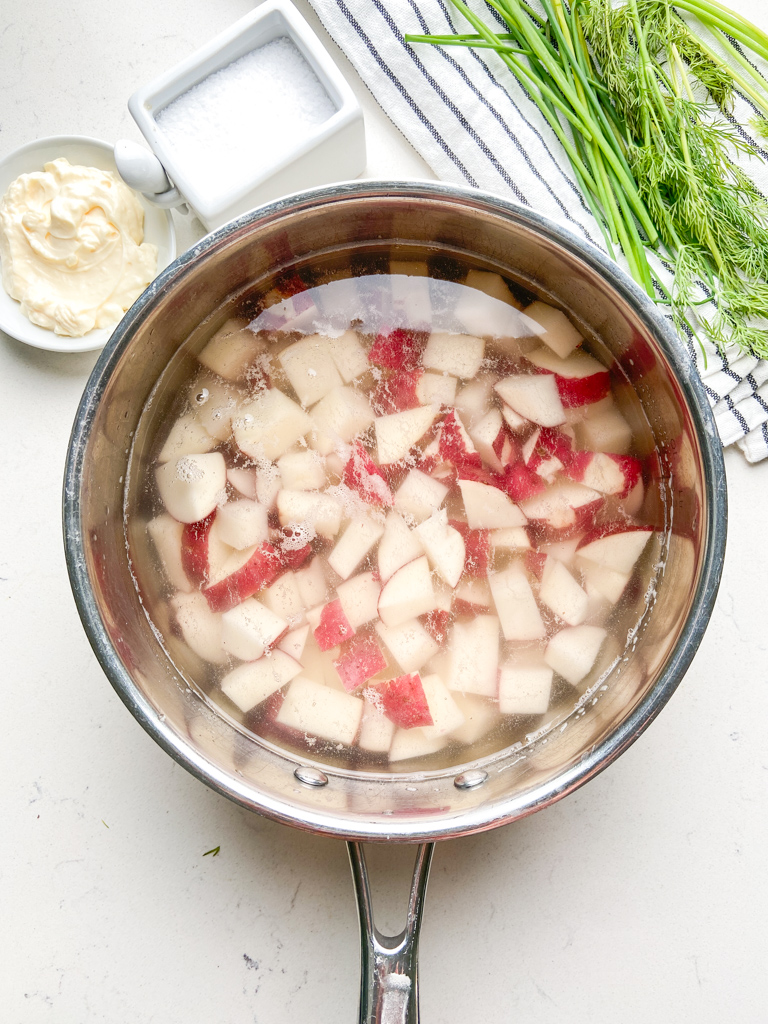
<point>356,229</point>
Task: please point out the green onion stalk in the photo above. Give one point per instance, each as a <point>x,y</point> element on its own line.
<point>633,95</point>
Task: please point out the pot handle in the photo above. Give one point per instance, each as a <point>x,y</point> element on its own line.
<point>389,992</point>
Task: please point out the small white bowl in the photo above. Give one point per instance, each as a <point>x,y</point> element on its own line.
<point>158,229</point>
<point>331,151</point>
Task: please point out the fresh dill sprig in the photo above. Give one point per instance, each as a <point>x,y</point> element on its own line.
<point>214,852</point>
<point>636,98</point>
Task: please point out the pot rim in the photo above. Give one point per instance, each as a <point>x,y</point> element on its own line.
<point>500,811</point>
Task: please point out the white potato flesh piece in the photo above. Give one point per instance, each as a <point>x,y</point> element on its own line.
<point>488,508</point>
<point>244,481</point>
<point>617,551</point>
<point>251,683</point>
<point>480,716</point>
<point>461,355</point>
<point>187,436</point>
<point>200,627</point>
<point>445,712</point>
<point>321,711</point>
<point>222,568</point>
<point>562,594</point>
<point>474,656</point>
<point>397,433</point>
<point>559,504</point>
<point>232,350</point>
<point>312,583</point>
<point>603,582</point>
<point>563,550</point>
<point>339,418</point>
<point>215,404</point>
<point>419,496</point>
<point>474,591</point>
<point>407,594</point>
<point>573,367</point>
<point>572,651</point>
<point>524,689</point>
<point>493,285</point>
<point>474,400</point>
<point>604,474</point>
<point>606,432</point>
<point>354,544</point>
<point>533,396</point>
<point>249,628</point>
<point>436,389</point>
<point>310,368</point>
<point>317,513</point>
<point>515,605</point>
<point>191,487</point>
<point>559,333</point>
<point>513,419</point>
<point>165,533</point>
<point>398,545</point>
<point>243,523</point>
<point>359,598</point>
<point>514,538</point>
<point>348,354</point>
<point>444,547</point>
<point>302,470</point>
<point>411,301</point>
<point>267,427</point>
<point>376,730</point>
<point>293,643</point>
<point>409,644</point>
<point>483,435</point>
<point>408,744</point>
<point>283,597</point>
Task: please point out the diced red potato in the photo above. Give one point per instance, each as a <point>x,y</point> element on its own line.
<point>333,627</point>
<point>191,487</point>
<point>318,513</point>
<point>251,683</point>
<point>408,744</point>
<point>363,476</point>
<point>348,354</point>
<point>445,712</point>
<point>359,598</point>
<point>398,350</point>
<point>243,523</point>
<point>455,445</point>
<point>397,546</point>
<point>474,656</point>
<point>302,470</point>
<point>474,400</point>
<point>480,717</point>
<point>608,474</point>
<point>562,594</point>
<point>436,624</point>
<point>268,426</point>
<point>187,436</point>
<point>513,538</point>
<point>513,419</point>
<point>312,583</point>
<point>472,596</point>
<point>320,711</point>
<point>402,700</point>
<point>477,549</point>
<point>409,643</point>
<point>398,433</point>
<point>633,503</point>
<point>215,404</point>
<point>358,539</point>
<point>376,730</point>
<point>563,550</point>
<point>396,393</point>
<point>606,432</point>
<point>249,628</point>
<point>485,435</point>
<point>244,574</point>
<point>580,379</point>
<point>525,687</point>
<point>562,506</point>
<point>533,396</point>
<point>419,495</point>
<point>293,643</point>
<point>283,597</point>
<point>200,627</point>
<point>292,546</point>
<point>460,355</point>
<point>232,350</point>
<point>340,416</point>
<point>572,652</point>
<point>522,483</point>
<point>488,508</point>
<point>516,606</point>
<point>607,583</point>
<point>407,594</point>
<point>204,549</point>
<point>436,389</point>
<point>310,368</point>
<point>166,535</point>
<point>244,481</point>
<point>559,333</point>
<point>444,547</point>
<point>615,547</point>
<point>360,660</point>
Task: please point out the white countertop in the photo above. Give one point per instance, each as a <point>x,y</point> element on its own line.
<point>641,898</point>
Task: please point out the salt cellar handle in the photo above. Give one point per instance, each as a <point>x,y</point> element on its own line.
<point>141,170</point>
<point>389,992</point>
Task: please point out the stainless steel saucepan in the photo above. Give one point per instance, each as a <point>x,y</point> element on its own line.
<point>202,287</point>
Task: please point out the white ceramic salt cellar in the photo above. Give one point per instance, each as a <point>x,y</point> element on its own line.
<point>321,153</point>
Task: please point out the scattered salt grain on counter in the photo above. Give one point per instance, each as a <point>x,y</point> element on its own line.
<point>246,117</point>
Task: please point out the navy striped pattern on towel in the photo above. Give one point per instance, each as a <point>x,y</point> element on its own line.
<point>464,113</point>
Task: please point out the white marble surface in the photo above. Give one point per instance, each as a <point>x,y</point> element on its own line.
<point>643,897</point>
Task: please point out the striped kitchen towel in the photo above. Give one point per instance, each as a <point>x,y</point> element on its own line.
<point>463,111</point>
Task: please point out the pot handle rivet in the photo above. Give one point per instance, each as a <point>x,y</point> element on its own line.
<point>470,779</point>
<point>311,776</point>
